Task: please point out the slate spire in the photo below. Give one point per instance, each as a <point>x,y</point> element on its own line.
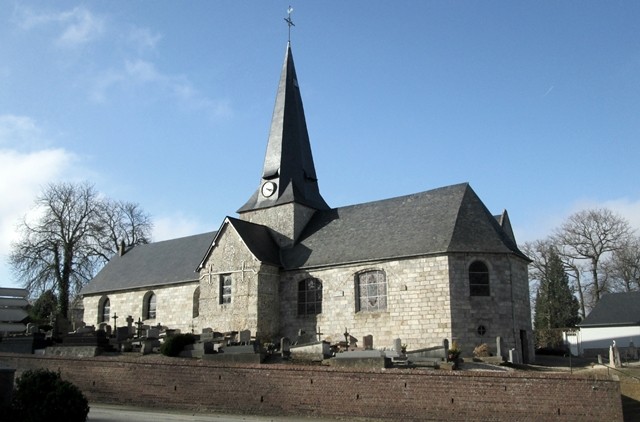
<point>288,174</point>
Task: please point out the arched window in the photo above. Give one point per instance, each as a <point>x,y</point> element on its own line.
<point>309,297</point>
<point>478,279</point>
<point>371,291</point>
<point>196,302</point>
<point>149,306</point>
<point>104,310</point>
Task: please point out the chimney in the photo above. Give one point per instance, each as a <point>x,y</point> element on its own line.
<point>121,249</point>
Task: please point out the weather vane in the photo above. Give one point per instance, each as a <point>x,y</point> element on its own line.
<point>289,21</point>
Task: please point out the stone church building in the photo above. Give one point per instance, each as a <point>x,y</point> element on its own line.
<point>424,267</point>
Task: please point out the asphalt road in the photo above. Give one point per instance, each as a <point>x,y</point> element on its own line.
<point>108,413</point>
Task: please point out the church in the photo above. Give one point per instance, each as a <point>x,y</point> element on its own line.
<point>423,267</point>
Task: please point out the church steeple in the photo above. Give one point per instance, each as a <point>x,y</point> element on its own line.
<point>288,174</point>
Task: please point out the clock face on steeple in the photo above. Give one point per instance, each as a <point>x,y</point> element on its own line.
<point>268,189</point>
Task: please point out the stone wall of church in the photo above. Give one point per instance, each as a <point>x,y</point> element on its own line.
<point>287,221</point>
<point>505,312</point>
<point>251,302</point>
<point>174,306</point>
<point>418,304</point>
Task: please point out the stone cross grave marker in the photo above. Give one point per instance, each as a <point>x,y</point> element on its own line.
<point>130,325</point>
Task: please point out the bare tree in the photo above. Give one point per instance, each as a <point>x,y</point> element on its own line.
<point>120,221</point>
<point>624,266</point>
<point>574,269</point>
<point>62,248</point>
<point>538,252</point>
<point>591,235</point>
<point>54,252</point>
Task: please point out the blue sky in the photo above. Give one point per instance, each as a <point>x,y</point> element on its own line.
<point>168,104</point>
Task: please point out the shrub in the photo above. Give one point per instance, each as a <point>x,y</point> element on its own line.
<point>481,351</point>
<point>41,395</point>
<point>454,352</point>
<point>173,345</point>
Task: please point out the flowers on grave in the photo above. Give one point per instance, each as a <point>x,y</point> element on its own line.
<point>454,353</point>
<point>481,351</point>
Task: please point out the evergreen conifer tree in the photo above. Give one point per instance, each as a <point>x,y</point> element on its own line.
<point>556,306</point>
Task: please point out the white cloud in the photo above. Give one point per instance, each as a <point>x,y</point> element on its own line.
<point>624,207</point>
<point>141,72</point>
<point>19,131</point>
<point>75,27</point>
<point>25,167</point>
<point>143,38</point>
<point>176,225</point>
<point>546,224</point>
<point>22,176</point>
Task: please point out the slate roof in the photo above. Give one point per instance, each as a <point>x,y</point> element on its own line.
<point>160,263</point>
<point>615,309</point>
<point>288,161</point>
<point>448,219</point>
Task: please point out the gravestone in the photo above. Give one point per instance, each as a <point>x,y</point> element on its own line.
<point>62,325</point>
<point>397,345</point>
<point>245,336</point>
<point>367,342</point>
<point>498,346</point>
<point>285,346</point>
<point>304,337</point>
<point>632,352</point>
<point>514,357</point>
<point>106,328</point>
<point>86,329</point>
<point>76,325</point>
<point>146,346</point>
<point>614,356</point>
<point>130,325</point>
<point>122,334</point>
<point>153,333</point>
<point>362,359</point>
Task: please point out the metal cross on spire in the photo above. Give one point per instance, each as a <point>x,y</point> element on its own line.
<point>289,21</point>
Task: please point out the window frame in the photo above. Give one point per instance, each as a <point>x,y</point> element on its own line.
<point>148,311</point>
<point>226,289</point>
<point>479,279</point>
<point>196,303</point>
<point>309,299</point>
<point>104,305</point>
<point>364,288</point>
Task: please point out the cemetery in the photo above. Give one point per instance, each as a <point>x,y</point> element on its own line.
<point>233,372</point>
<point>62,338</point>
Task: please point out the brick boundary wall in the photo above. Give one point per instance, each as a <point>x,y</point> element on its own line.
<point>318,391</point>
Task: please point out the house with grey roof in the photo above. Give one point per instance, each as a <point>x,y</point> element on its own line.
<point>616,317</point>
<point>424,267</point>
